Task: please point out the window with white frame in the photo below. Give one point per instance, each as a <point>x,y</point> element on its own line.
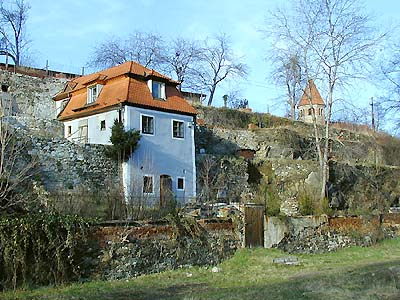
<point>178,129</point>
<point>158,89</point>
<point>93,93</point>
<point>147,124</point>
<point>148,184</point>
<point>180,183</point>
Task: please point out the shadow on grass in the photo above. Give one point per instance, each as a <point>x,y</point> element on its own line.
<point>367,282</point>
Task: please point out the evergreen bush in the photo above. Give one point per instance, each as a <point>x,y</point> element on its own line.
<point>124,142</point>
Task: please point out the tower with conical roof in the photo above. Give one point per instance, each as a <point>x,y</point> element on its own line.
<point>309,102</point>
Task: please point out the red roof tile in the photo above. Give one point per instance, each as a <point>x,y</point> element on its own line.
<point>312,94</point>
<point>126,83</point>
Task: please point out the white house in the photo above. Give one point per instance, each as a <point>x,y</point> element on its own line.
<point>145,100</point>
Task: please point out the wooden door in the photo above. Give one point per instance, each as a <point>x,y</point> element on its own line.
<point>254,225</point>
<point>166,195</point>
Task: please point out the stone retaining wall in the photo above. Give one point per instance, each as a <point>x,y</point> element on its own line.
<point>31,96</point>
<point>132,250</point>
<point>315,234</point>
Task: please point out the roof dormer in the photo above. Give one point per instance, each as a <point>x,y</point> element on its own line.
<point>93,92</point>
<point>157,89</point>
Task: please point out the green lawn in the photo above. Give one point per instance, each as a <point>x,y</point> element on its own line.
<point>354,273</point>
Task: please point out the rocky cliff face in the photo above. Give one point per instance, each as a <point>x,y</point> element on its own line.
<point>364,168</point>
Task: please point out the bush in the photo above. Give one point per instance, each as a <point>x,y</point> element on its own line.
<point>306,205</point>
<point>124,143</point>
<point>41,249</point>
<point>267,195</point>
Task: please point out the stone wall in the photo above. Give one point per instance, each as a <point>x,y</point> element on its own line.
<point>31,96</point>
<point>129,251</point>
<point>317,234</point>
<point>74,178</point>
<point>64,165</point>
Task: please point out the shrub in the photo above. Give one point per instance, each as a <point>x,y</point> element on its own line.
<point>41,249</point>
<point>124,143</point>
<point>267,195</point>
<point>306,205</point>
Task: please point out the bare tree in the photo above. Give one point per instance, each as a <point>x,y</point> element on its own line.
<point>391,72</point>
<point>144,48</point>
<point>12,29</point>
<point>288,73</point>
<point>16,165</point>
<point>335,43</point>
<point>180,58</point>
<point>217,64</point>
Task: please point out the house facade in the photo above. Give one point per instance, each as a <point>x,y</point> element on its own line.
<point>163,166</point>
<point>311,105</point>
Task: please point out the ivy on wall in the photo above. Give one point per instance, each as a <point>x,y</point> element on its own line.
<point>41,249</point>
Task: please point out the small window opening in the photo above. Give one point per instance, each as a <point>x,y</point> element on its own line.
<point>180,184</point>
<point>4,88</point>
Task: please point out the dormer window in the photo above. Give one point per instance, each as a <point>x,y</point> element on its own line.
<point>158,90</point>
<point>93,93</point>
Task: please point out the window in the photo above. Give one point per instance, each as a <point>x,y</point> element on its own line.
<point>178,129</point>
<point>69,131</point>
<point>92,94</point>
<point>147,124</point>
<point>158,90</point>
<point>4,88</point>
<point>180,184</point>
<point>148,184</point>
<point>103,125</point>
<point>310,111</point>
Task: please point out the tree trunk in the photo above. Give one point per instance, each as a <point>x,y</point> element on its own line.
<point>210,99</point>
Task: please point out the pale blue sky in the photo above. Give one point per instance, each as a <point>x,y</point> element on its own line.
<point>65,32</point>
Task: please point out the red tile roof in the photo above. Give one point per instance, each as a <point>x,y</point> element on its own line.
<point>126,83</point>
<point>312,94</point>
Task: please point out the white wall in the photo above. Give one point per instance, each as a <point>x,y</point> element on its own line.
<point>158,154</point>
<point>95,135</point>
<point>161,154</point>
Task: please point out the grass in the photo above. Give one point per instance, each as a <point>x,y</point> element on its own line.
<point>353,273</point>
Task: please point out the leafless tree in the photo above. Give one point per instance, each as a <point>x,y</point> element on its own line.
<point>217,63</point>
<point>180,58</point>
<point>336,42</point>
<point>142,47</point>
<point>14,169</point>
<point>12,29</point>
<point>207,177</point>
<point>288,73</point>
<point>391,72</point>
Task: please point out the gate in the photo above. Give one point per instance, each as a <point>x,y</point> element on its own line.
<point>254,225</point>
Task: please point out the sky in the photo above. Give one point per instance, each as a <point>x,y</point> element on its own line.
<point>64,33</point>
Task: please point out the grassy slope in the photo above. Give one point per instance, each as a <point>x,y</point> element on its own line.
<point>354,273</point>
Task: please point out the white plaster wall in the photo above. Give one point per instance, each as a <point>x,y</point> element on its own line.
<point>161,154</point>
<point>95,135</point>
